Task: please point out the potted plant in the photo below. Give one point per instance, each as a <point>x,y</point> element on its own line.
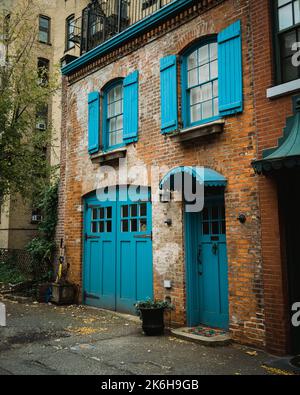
<point>151,313</point>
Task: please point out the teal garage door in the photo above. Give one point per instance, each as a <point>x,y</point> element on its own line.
<point>117,250</point>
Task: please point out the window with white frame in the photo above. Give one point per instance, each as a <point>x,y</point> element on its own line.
<point>113,108</point>
<point>200,85</point>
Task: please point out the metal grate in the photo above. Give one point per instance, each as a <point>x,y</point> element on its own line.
<point>103,19</point>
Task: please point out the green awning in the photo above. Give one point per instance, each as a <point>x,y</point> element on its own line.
<point>287,154</point>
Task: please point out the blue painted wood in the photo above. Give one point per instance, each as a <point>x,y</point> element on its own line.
<point>206,261</point>
<point>168,94</point>
<point>230,70</point>
<point>93,122</point>
<point>99,252</point>
<point>118,264</point>
<point>131,108</point>
<point>131,32</point>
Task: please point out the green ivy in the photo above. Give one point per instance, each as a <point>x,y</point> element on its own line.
<point>42,247</point>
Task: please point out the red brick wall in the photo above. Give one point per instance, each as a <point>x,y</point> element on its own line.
<point>229,153</point>
<point>270,119</point>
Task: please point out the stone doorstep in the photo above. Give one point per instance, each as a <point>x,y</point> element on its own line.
<point>221,340</point>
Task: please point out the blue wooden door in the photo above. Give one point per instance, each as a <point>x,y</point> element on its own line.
<point>118,253</point>
<point>134,251</point>
<point>207,266</point>
<point>100,254</point>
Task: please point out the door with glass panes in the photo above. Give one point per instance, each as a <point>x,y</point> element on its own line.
<point>117,252</point>
<point>207,269</point>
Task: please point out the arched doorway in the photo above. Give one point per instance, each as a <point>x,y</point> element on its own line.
<point>117,248</point>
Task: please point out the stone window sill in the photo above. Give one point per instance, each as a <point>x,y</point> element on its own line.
<point>283,89</point>
<point>110,156</point>
<point>199,131</point>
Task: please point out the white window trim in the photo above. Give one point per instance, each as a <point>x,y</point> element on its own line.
<point>283,89</point>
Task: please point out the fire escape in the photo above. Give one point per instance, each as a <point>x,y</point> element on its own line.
<point>103,19</point>
<point>100,20</point>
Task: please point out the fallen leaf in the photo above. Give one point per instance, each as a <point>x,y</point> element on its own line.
<point>252,353</point>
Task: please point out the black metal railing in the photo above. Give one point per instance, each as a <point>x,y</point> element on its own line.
<point>103,19</point>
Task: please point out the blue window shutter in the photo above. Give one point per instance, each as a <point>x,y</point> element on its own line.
<point>168,94</point>
<point>230,70</point>
<point>131,108</point>
<point>94,122</point>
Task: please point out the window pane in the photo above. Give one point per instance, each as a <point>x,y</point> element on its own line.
<point>102,230</point>
<point>207,91</point>
<point>112,139</point>
<point>204,73</point>
<point>143,210</point>
<point>213,51</point>
<point>125,212</point>
<point>124,226</point>
<point>216,88</point>
<point>133,225</point>
<point>203,55</point>
<point>112,124</point>
<point>192,61</point>
<point>43,37</point>
<point>110,110</point>
<point>143,225</point>
<point>214,70</point>
<point>44,23</point>
<point>196,113</point>
<point>215,228</point>
<point>133,210</point>
<point>119,123</point>
<point>289,71</point>
<point>119,137</point>
<point>101,213</point>
<point>206,228</point>
<point>108,226</point>
<point>110,96</point>
<point>285,15</point>
<point>195,96</point>
<point>207,109</point>
<point>287,40</point>
<point>118,92</point>
<point>94,227</point>
<point>118,107</point>
<point>297,11</point>
<point>109,212</point>
<point>193,77</point>
<point>95,213</point>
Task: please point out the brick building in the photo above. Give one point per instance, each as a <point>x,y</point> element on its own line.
<point>171,88</point>
<point>276,93</point>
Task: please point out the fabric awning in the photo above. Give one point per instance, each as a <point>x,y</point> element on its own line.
<point>287,153</point>
<point>209,177</point>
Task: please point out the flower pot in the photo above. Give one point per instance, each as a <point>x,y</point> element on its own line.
<point>63,294</point>
<point>153,321</point>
